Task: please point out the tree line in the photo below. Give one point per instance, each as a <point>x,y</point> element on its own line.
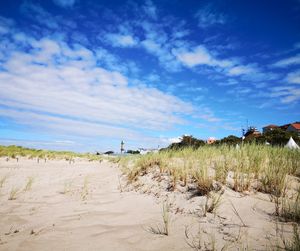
<point>275,137</point>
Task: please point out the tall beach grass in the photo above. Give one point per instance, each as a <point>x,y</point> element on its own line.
<point>13,152</point>
<point>251,167</point>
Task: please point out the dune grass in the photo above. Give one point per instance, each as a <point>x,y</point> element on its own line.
<point>164,228</point>
<point>13,193</point>
<point>268,165</point>
<point>13,152</point>
<point>252,167</point>
<point>84,191</point>
<point>257,168</point>
<point>290,207</point>
<point>213,201</point>
<point>3,180</point>
<point>67,187</point>
<point>29,183</point>
<point>294,243</point>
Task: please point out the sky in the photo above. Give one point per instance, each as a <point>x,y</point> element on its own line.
<point>84,75</point>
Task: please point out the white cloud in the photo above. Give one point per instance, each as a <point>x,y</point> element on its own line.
<point>288,61</point>
<point>286,94</point>
<point>60,88</point>
<point>207,114</point>
<point>49,144</point>
<point>119,40</point>
<point>112,62</point>
<point>64,3</point>
<point>151,46</point>
<point>163,54</point>
<point>209,118</point>
<point>174,140</point>
<point>200,56</point>
<point>241,70</point>
<point>229,82</point>
<point>293,77</point>
<point>67,126</point>
<point>155,38</point>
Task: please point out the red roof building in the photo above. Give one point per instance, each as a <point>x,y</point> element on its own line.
<point>211,140</point>
<point>295,127</point>
<point>269,128</point>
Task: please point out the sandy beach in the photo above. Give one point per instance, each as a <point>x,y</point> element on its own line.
<point>56,205</point>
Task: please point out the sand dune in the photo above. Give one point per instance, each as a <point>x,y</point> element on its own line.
<point>86,206</point>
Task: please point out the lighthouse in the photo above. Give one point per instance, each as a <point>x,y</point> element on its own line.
<point>122,146</point>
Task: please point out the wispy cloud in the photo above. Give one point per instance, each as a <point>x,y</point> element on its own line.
<point>229,82</point>
<point>241,70</point>
<point>119,40</point>
<point>277,96</point>
<point>288,61</point>
<point>200,56</point>
<point>133,71</point>
<point>208,115</point>
<point>45,144</point>
<point>37,13</point>
<point>60,87</point>
<point>5,25</point>
<point>150,9</point>
<point>293,77</point>
<point>286,94</point>
<point>207,16</point>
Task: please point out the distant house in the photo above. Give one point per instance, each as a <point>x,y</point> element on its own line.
<point>295,127</point>
<point>269,128</point>
<point>284,127</point>
<point>211,140</point>
<point>252,132</point>
<point>145,151</point>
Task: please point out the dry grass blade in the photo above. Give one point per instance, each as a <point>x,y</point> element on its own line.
<point>29,183</point>
<point>13,193</point>
<point>162,229</point>
<point>84,191</point>
<point>237,214</point>
<point>2,181</point>
<point>67,187</point>
<point>290,208</point>
<point>294,244</point>
<point>213,201</point>
<point>193,242</point>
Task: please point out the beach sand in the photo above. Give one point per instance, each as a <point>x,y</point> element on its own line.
<point>87,206</point>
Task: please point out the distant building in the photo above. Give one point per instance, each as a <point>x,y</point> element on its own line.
<point>252,132</point>
<point>269,128</point>
<point>122,146</point>
<point>210,140</point>
<point>284,127</point>
<point>295,127</point>
<point>145,151</point>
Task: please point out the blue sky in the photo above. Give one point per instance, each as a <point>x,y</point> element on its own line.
<point>84,75</point>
